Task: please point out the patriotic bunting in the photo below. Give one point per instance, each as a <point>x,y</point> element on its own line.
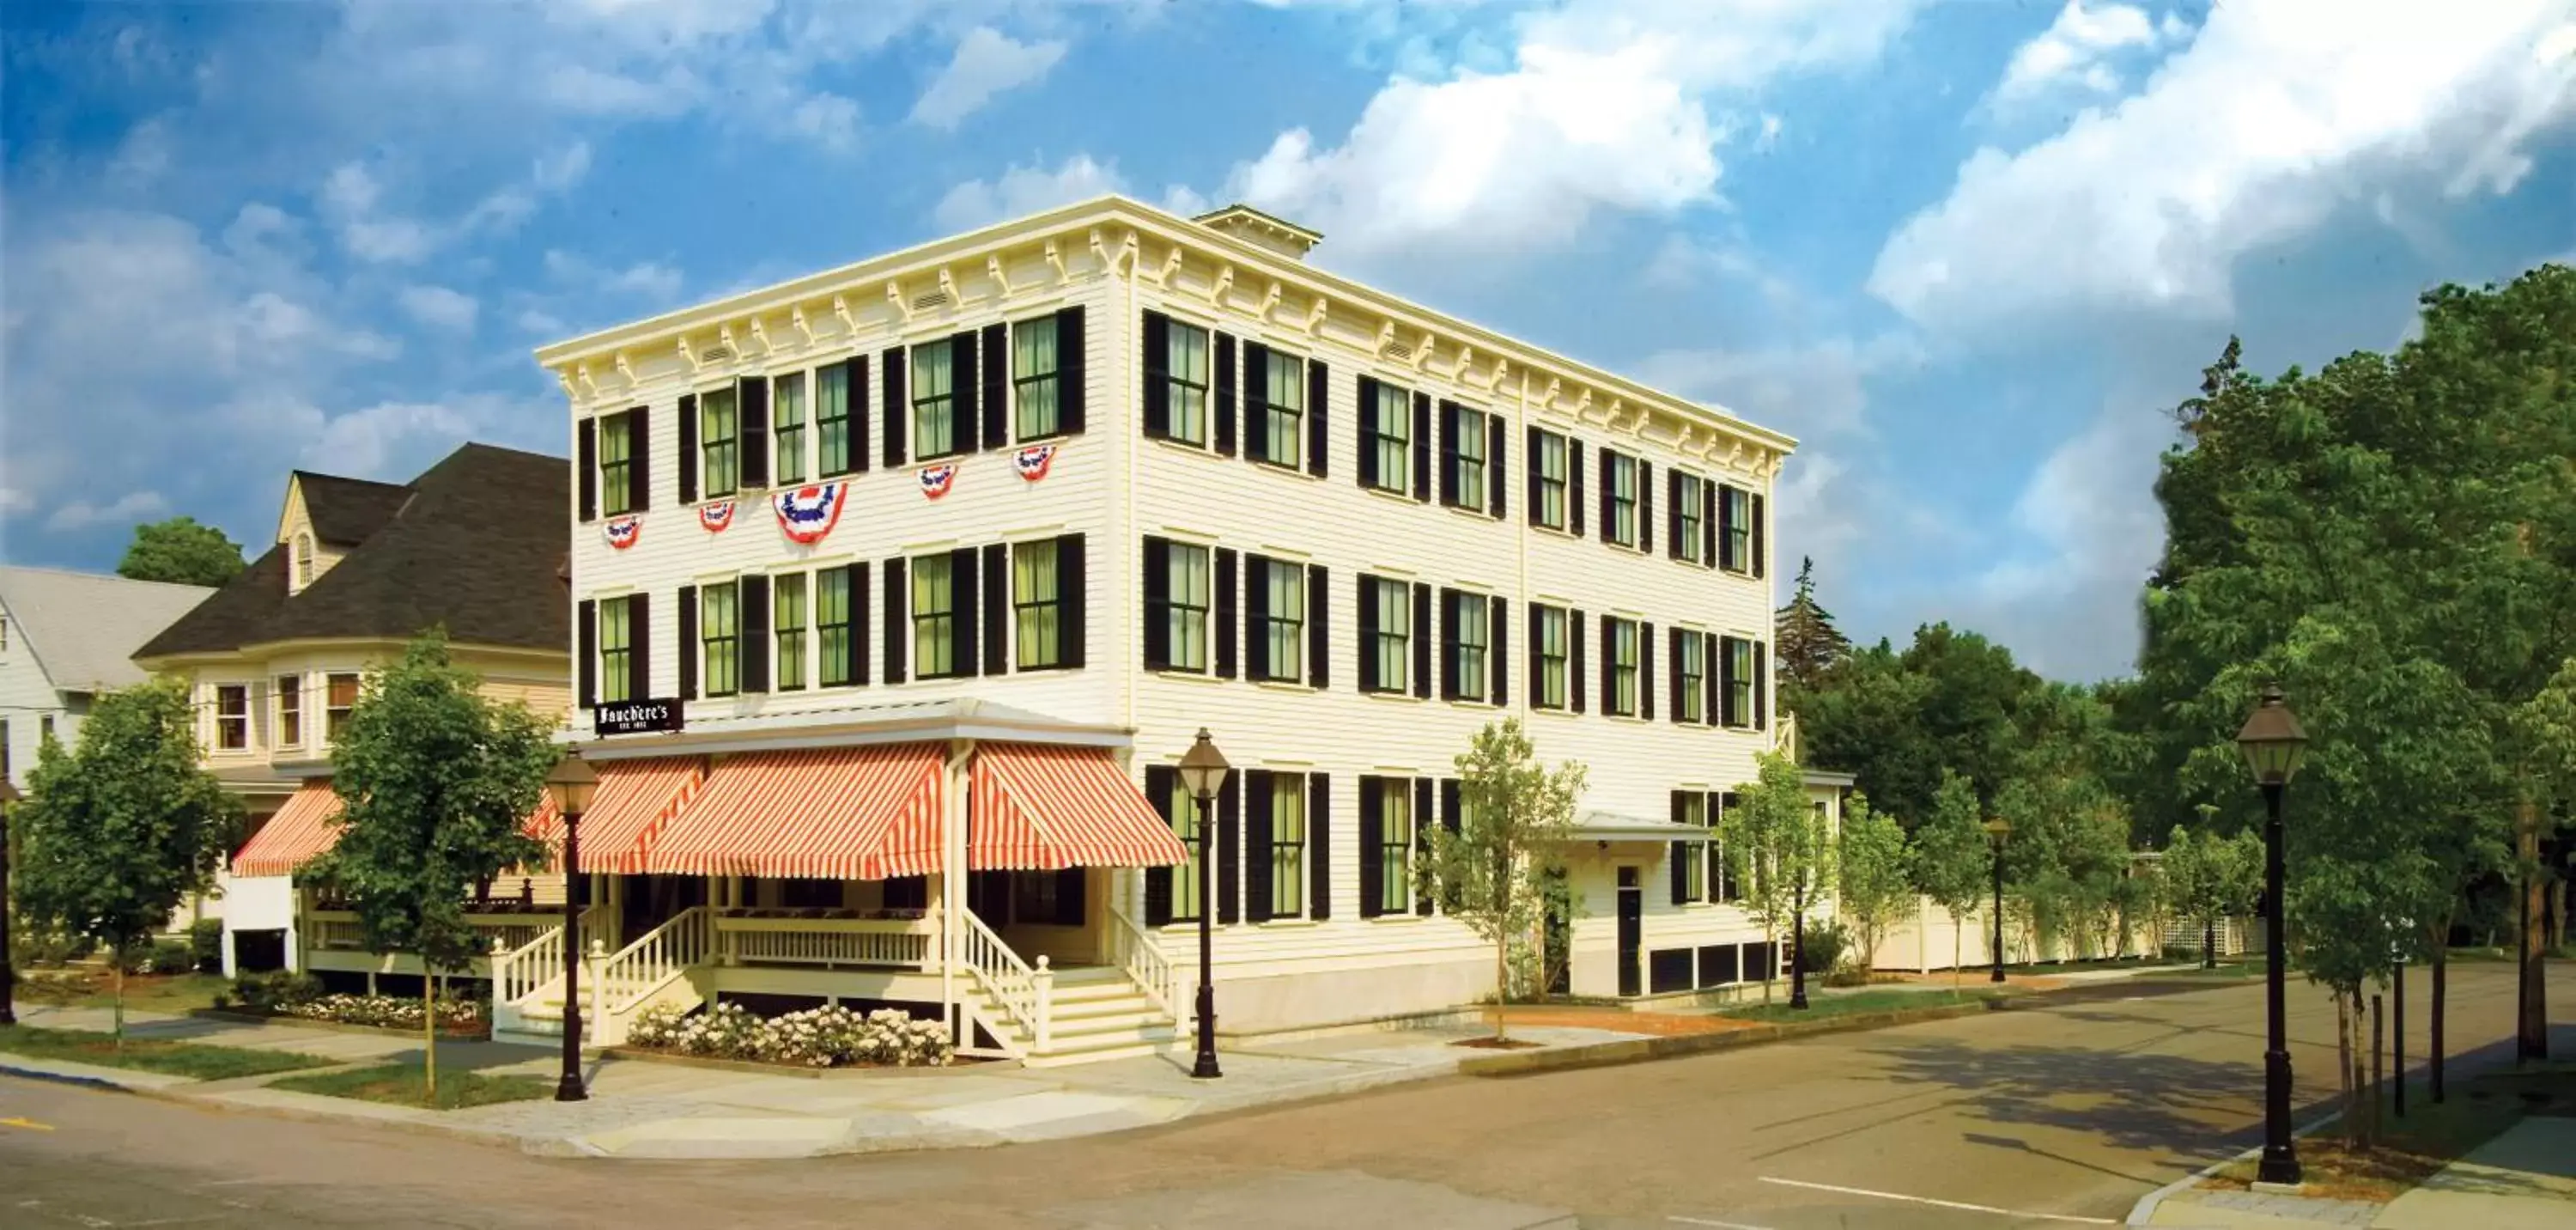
<point>1034,460</point>
<point>809,513</point>
<point>622,531</point>
<point>935,480</point>
<point>715,515</point>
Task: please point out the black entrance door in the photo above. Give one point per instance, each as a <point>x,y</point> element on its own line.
<point>1556,941</point>
<point>1632,926</point>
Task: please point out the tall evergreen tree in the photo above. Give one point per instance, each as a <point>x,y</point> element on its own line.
<point>1809,645</point>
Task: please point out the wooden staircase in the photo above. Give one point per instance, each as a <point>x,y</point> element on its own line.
<point>1098,1012</point>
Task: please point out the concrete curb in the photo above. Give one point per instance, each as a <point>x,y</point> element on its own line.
<point>1641,1050</point>
<point>2144,1211</point>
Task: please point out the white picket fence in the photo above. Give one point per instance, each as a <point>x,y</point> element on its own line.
<point>1924,941</point>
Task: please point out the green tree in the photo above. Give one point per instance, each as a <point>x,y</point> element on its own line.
<point>1866,719</point>
<point>1779,847</point>
<point>1496,871</point>
<point>182,552</point>
<point>1809,646</point>
<point>116,832</point>
<point>435,782</point>
<point>1952,862</point>
<point>2209,878</point>
<point>1876,888</point>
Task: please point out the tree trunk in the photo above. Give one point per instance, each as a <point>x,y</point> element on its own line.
<point>2343,1066</point>
<point>2378,1076</point>
<point>2441,1000</point>
<point>116,971</point>
<point>2209,943</point>
<point>1771,943</point>
<point>2531,1028</point>
<point>1956,947</point>
<point>429,1040</point>
<point>1503,980</point>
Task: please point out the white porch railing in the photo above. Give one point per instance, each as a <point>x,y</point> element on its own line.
<point>664,953</point>
<point>902,943</point>
<point>521,973</point>
<point>1027,995</point>
<point>338,930</point>
<point>1146,964</point>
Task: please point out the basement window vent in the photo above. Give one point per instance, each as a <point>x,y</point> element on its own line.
<point>935,299</point>
<point>716,354</point>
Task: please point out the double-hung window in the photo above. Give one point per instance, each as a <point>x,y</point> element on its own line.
<point>832,420</point>
<point>1690,662</point>
<point>1467,465</point>
<point>616,653</point>
<point>1037,600</point>
<point>232,717</point>
<point>1738,520</point>
<point>1037,408</point>
<point>1552,480</point>
<point>720,637</point>
<point>1185,825</point>
<point>1287,839</point>
<point>1284,410</point>
<point>616,470</point>
<point>787,429</point>
<point>833,624</point>
<point>1188,577</point>
<point>1690,540</point>
<point>1739,681</point>
<point>290,711</point>
<point>1554,650</point>
<point>1186,362</point>
<point>1283,606</point>
<point>1692,809</point>
<point>339,699</point>
<point>787,629</point>
<point>934,616</point>
<point>1391,649</point>
<point>1623,498</point>
<point>1623,666</point>
<point>934,399</point>
<point>719,431</point>
<point>1390,431</point>
<point>1472,642</point>
<point>1395,846</point>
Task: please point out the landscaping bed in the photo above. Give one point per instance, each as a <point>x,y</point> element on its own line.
<point>401,1084</point>
<point>96,988</point>
<point>253,1016</point>
<point>814,1039</point>
<point>758,1067</point>
<point>198,1060</point>
<point>2431,1136</point>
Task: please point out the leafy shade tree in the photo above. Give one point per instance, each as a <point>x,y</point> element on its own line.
<point>1952,863</point>
<point>1497,869</point>
<point>1875,887</point>
<point>1780,850</point>
<point>1809,645</point>
<point>182,552</point>
<point>1895,720</point>
<point>114,834</point>
<point>435,782</point>
<point>2208,877</point>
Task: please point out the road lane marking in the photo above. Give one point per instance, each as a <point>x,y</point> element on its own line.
<point>1710,1221</point>
<point>29,1124</point>
<point>1945,1204</point>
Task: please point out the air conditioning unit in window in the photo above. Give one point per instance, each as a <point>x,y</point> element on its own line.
<point>935,299</point>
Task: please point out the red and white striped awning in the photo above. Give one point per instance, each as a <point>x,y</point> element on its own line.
<point>1041,807</point>
<point>636,800</point>
<point>844,813</point>
<point>299,832</point>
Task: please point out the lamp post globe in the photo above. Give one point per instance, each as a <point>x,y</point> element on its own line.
<point>9,797</point>
<point>2273,743</point>
<point>1203,772</point>
<point>569,786</point>
<point>1998,832</point>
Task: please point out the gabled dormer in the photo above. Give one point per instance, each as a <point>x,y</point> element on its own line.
<point>327,516</point>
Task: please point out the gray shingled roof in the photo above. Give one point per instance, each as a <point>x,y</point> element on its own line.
<point>347,511</point>
<point>84,627</point>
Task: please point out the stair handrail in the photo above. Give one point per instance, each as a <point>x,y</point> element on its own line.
<point>1018,988</point>
<point>1133,950</point>
<point>634,972</point>
<point>522,973</point>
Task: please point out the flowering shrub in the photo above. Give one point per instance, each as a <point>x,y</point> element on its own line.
<point>384,1010</point>
<point>815,1038</point>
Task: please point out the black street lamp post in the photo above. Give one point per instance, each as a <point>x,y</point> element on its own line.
<point>1203,771</point>
<point>570,786</point>
<point>1998,831</point>
<point>8,972</point>
<point>2272,742</point>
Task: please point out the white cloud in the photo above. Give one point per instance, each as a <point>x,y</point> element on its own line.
<point>1024,190</point>
<point>383,440</point>
<point>646,280</point>
<point>439,307</point>
<point>829,119</point>
<point>144,155</point>
<point>988,62</point>
<point>563,169</point>
<point>542,322</point>
<point>2077,48</point>
<point>1817,389</point>
<point>2273,119</point>
<point>126,509</point>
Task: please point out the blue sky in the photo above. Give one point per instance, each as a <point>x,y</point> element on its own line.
<point>1969,252</point>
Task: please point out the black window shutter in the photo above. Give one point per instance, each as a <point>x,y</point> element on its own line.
<point>893,410</point>
<point>1372,838</point>
<point>1257,827</point>
<point>1319,846</point>
<point>1069,368</point>
<point>1448,453</point>
<point>1708,524</point>
<point>751,396</point>
<point>1158,604</point>
<point>897,630</point>
<point>1674,650</point>
<point>1224,614</point>
<point>688,642</point>
<point>1421,447</point>
<point>1256,396</point>
<point>688,448</point>
<point>1158,374</point>
<point>1256,618</point>
<point>1713,648</point>
<point>1681,854</point>
<point>997,609</point>
<point>1160,780</point>
<point>963,606</point>
<point>751,649</point>
<point>1646,671</point>
<point>1537,659</point>
<point>1673,544</point>
<point>639,474</point>
<point>860,666</point>
<point>1726,681</point>
<point>1607,494</point>
<point>586,461</point>
<point>1498,654</point>
<point>1073,598</point>
<point>1760,550</point>
<point>996,396</point>
<point>1575,680</point>
<point>1319,387</point>
<point>1761,685</point>
<point>1422,633</point>
<point>1645,506</point>
<point>1726,532</point>
<point>1497,474</point>
<point>1574,486</point>
<point>1609,663</point>
<point>1529,468</point>
<point>1319,637</point>
<point>1364,432</point>
<point>1369,681</point>
<point>1449,643</point>
<point>964,384</point>
<point>1423,819</point>
<point>855,386</point>
<point>1229,851</point>
<point>639,645</point>
<point>1228,404</point>
<point>586,614</point>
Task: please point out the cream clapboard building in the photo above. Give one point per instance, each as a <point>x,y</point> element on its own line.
<point>912,580</point>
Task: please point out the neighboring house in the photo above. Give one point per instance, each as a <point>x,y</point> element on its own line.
<point>903,587</point>
<point>65,637</point>
<point>276,657</point>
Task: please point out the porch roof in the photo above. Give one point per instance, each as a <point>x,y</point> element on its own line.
<point>863,813</point>
<point>1040,808</point>
<point>1608,826</point>
<point>635,801</point>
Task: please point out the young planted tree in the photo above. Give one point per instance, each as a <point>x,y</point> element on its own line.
<point>1781,851</point>
<point>1952,863</point>
<point>1876,887</point>
<point>435,782</point>
<point>1497,871</point>
<point>2208,878</point>
<point>115,834</point>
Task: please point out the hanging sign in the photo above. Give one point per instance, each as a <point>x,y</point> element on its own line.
<point>935,480</point>
<point>623,531</point>
<point>809,513</point>
<point>635,717</point>
<point>716,515</point>
<point>1034,461</point>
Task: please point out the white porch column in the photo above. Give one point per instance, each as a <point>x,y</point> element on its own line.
<point>952,880</point>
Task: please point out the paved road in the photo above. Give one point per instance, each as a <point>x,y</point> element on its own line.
<point>2044,1117</point>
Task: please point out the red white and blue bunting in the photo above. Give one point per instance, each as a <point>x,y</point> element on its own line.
<point>623,531</point>
<point>716,515</point>
<point>1034,461</point>
<point>935,480</point>
<point>809,513</point>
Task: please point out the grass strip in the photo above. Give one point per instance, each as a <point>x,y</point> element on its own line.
<point>400,1084</point>
<point>1821,1007</point>
<point>200,1060</point>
